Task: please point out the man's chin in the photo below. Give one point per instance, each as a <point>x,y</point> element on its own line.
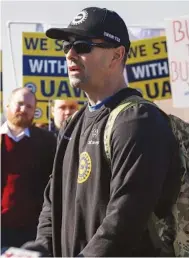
<point>22,123</point>
<point>76,83</point>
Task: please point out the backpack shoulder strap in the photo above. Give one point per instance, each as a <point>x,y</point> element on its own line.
<point>126,104</point>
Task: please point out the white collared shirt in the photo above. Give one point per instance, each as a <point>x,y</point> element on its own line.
<point>4,129</point>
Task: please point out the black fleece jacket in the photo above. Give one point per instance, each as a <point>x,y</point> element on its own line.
<point>93,209</point>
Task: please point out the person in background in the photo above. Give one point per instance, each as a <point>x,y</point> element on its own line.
<point>27,155</point>
<point>61,110</point>
<point>94,208</point>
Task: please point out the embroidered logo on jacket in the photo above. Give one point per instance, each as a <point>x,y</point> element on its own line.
<point>85,166</point>
<point>94,138</point>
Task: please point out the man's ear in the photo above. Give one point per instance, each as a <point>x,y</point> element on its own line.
<point>118,54</point>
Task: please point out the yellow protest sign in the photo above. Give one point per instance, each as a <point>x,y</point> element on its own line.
<point>45,68</point>
<point>42,112</point>
<point>147,68</point>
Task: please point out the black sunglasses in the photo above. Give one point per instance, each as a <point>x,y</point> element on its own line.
<point>84,47</point>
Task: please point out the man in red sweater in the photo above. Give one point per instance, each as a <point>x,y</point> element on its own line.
<point>27,158</point>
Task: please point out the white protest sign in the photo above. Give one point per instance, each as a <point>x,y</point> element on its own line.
<point>177,31</point>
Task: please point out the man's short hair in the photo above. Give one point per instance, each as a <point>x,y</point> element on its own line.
<point>22,89</point>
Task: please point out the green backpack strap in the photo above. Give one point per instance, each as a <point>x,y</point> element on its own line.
<point>127,103</point>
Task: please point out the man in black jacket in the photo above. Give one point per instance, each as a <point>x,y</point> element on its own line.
<point>27,155</point>
<point>92,208</point>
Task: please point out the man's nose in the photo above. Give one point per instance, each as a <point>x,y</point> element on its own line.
<point>23,108</point>
<point>67,111</point>
<point>71,54</point>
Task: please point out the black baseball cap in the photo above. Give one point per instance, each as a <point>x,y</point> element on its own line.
<point>94,22</point>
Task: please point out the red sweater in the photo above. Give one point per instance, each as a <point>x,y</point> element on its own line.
<point>18,205</point>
